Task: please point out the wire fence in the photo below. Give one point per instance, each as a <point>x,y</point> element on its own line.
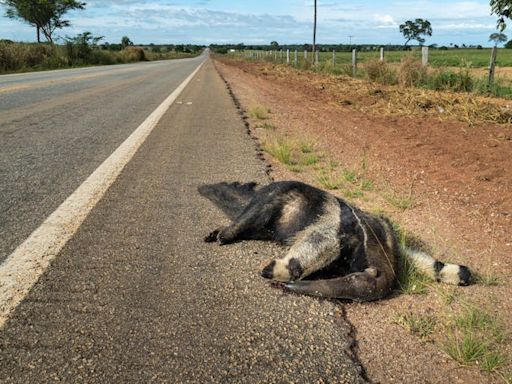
<point>348,62</point>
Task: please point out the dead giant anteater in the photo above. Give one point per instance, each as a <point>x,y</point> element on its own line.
<point>327,237</point>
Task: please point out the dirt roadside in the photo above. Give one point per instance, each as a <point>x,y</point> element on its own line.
<point>453,183</point>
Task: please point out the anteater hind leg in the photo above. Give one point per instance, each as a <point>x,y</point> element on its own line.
<point>368,285</point>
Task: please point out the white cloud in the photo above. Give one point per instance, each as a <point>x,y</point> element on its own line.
<point>385,21</point>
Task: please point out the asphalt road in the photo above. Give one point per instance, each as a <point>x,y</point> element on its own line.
<point>57,127</point>
<point>136,296</point>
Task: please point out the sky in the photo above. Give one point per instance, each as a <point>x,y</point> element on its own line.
<point>260,22</point>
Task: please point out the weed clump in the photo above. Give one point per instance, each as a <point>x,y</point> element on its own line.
<point>380,72</point>
<point>411,73</point>
<point>258,112</point>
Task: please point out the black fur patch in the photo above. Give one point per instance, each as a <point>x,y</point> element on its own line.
<point>212,237</point>
<point>437,269</point>
<point>295,269</point>
<point>268,271</point>
<point>438,266</point>
<point>464,275</point>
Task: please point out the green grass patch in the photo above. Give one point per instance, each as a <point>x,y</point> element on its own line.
<point>472,317</point>
<point>349,176</point>
<point>328,180</point>
<point>420,325</point>
<point>366,185</point>
<point>258,112</point>
<point>352,193</point>
<point>466,348</point>
<point>280,150</point>
<point>492,361</point>
<point>410,279</point>
<point>309,159</point>
<point>448,295</point>
<point>270,127</point>
<point>476,337</point>
<point>307,146</point>
<point>487,279</point>
<point>402,201</point>
<point>295,168</point>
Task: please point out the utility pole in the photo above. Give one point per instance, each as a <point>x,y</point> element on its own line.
<point>314,32</point>
<point>350,40</point>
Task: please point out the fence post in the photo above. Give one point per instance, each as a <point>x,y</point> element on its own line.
<point>296,58</point>
<point>333,58</point>
<point>305,54</point>
<point>316,57</point>
<point>492,65</point>
<point>287,56</point>
<point>275,56</point>
<point>424,56</point>
<point>354,62</point>
<point>381,53</point>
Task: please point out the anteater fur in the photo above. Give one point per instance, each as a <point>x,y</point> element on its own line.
<point>357,251</point>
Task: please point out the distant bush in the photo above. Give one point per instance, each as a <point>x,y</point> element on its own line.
<point>15,56</point>
<point>132,54</point>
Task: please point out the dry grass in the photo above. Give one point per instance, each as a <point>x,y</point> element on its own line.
<point>380,99</point>
<point>381,72</point>
<point>411,73</point>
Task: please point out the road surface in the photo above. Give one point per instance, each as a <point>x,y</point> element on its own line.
<point>135,296</point>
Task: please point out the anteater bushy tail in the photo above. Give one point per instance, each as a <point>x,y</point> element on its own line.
<point>231,198</point>
<point>437,270</point>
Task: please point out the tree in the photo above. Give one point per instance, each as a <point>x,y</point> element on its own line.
<point>509,44</point>
<point>503,9</point>
<point>45,15</point>
<point>314,29</point>
<point>497,38</point>
<point>80,46</point>
<point>274,44</point>
<point>413,30</point>
<point>125,42</point>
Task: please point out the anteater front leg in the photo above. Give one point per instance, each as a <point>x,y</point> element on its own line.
<point>252,224</point>
<point>312,251</point>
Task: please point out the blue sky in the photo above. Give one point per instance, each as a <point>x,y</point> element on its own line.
<point>259,22</point>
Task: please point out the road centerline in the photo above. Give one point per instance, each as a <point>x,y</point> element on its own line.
<point>21,270</point>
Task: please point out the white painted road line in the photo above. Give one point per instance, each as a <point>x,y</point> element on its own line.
<point>21,270</point>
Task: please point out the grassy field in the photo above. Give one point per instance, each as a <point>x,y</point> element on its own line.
<point>474,58</point>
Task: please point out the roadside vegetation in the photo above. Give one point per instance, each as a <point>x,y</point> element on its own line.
<point>455,70</point>
<point>82,50</point>
<point>404,90</point>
